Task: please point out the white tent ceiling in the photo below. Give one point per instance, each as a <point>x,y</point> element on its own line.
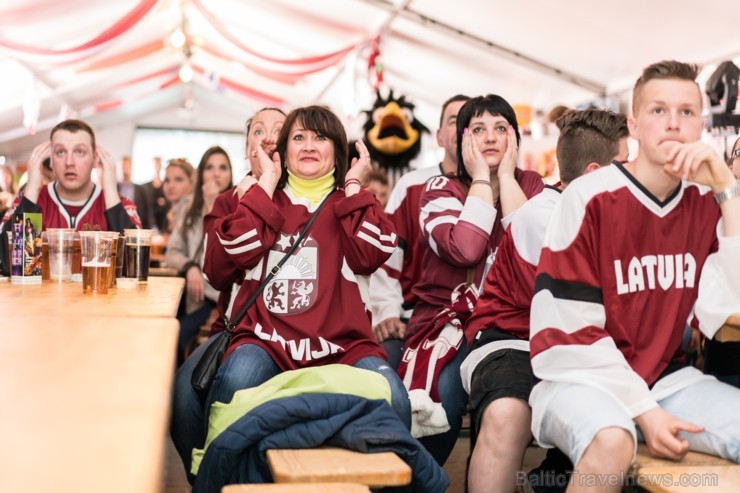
<point>252,53</point>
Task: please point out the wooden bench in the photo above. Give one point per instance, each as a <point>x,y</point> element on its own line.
<point>297,488</point>
<point>331,465</point>
<point>694,473</point>
<point>730,332</point>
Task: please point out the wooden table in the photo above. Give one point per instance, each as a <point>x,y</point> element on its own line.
<point>162,272</point>
<point>730,332</point>
<point>296,488</point>
<point>160,297</point>
<point>694,473</point>
<point>86,402</point>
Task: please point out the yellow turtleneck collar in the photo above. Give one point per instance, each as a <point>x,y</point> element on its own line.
<point>314,190</point>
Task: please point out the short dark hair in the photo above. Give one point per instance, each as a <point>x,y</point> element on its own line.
<point>74,126</point>
<point>324,122</point>
<point>490,103</point>
<point>453,99</point>
<point>666,69</point>
<point>588,136</point>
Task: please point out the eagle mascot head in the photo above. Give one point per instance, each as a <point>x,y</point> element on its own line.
<point>393,134</point>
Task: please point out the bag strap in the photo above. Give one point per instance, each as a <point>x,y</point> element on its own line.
<point>231,325</point>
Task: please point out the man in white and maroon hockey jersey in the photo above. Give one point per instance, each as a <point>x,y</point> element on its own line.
<point>631,251</point>
<point>73,199</point>
<point>497,373</point>
<point>391,298</point>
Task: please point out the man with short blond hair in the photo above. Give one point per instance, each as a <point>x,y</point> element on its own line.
<point>632,252</point>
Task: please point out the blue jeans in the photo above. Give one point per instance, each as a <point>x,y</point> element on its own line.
<point>187,427</point>
<point>249,366</point>
<point>454,402</point>
<point>190,324</point>
<point>394,350</point>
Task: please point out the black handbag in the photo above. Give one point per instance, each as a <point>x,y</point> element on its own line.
<point>205,371</point>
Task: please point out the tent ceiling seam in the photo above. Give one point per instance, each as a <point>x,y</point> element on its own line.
<point>559,73</point>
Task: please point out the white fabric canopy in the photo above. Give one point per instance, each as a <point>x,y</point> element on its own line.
<point>253,53</point>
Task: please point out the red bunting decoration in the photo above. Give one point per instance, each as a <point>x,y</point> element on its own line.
<point>121,26</point>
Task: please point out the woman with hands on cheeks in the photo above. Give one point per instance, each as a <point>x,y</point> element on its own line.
<point>462,217</point>
<point>185,246</point>
<point>313,311</point>
<point>188,428</point>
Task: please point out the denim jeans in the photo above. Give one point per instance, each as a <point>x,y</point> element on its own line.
<point>187,427</point>
<point>394,350</point>
<point>399,396</point>
<point>454,401</point>
<point>249,366</point>
<point>190,324</point>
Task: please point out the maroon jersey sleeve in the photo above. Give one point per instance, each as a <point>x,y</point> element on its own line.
<point>368,237</point>
<point>456,227</point>
<point>225,204</point>
<point>242,238</point>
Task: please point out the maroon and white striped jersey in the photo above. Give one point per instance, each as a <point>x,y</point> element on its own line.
<point>506,298</point>
<point>315,309</point>
<point>58,213</point>
<point>458,234</point>
<point>619,275</point>
<point>229,280</point>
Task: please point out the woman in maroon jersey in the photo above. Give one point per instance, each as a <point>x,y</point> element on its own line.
<point>313,311</point>
<point>462,217</point>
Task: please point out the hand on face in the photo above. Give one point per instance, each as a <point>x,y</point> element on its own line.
<point>109,179</point>
<point>475,162</point>
<point>271,170</point>
<point>210,191</point>
<point>268,145</point>
<point>360,167</point>
<point>35,165</point>
<point>697,162</point>
<point>508,160</point>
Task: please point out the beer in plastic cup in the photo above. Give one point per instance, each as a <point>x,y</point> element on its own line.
<point>111,271</point>
<point>96,260</point>
<point>138,251</point>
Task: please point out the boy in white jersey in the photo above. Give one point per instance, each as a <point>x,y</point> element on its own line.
<point>630,253</point>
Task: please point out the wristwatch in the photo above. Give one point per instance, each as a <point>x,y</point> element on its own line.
<point>727,193</point>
